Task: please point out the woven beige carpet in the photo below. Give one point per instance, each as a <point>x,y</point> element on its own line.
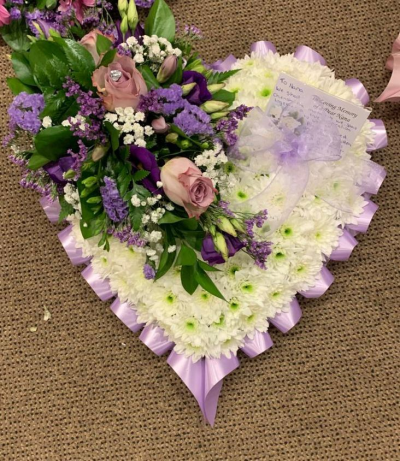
<point>82,387</point>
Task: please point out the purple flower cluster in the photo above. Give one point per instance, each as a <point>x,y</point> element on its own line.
<point>192,120</point>
<point>149,272</point>
<point>47,20</point>
<point>193,32</point>
<point>144,3</point>
<point>78,158</point>
<point>15,14</point>
<point>165,101</point>
<point>225,207</point>
<point>229,125</point>
<point>24,112</point>
<point>126,235</point>
<point>259,251</point>
<point>257,220</point>
<point>37,181</point>
<point>114,206</point>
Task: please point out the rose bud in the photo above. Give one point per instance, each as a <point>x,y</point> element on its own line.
<point>89,42</point>
<point>167,69</point>
<point>99,152</point>
<point>185,185</point>
<point>159,125</point>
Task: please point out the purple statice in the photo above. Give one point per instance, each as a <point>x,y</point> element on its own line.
<point>124,51</point>
<point>228,126</point>
<point>164,101</point>
<point>47,20</point>
<point>225,207</point>
<point>114,206</point>
<point>193,120</point>
<point>149,272</point>
<point>37,181</point>
<point>78,157</point>
<point>24,112</point>
<point>257,220</point>
<point>16,2</point>
<point>144,3</point>
<point>15,14</point>
<point>259,251</point>
<point>193,32</point>
<point>126,235</point>
<point>90,105</point>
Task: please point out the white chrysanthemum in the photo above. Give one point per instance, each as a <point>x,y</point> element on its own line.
<point>202,325</point>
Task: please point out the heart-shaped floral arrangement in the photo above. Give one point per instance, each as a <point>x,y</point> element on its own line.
<point>203,197</point>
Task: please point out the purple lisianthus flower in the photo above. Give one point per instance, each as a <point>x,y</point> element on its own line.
<point>57,169</point>
<point>200,93</point>
<point>212,256</point>
<point>142,158</point>
<point>138,34</point>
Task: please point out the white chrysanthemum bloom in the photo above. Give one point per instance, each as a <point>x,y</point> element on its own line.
<point>203,325</point>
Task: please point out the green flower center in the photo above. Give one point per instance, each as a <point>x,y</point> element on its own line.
<point>280,255</point>
<point>234,306</point>
<point>205,296</point>
<point>170,298</point>
<point>221,321</point>
<point>190,325</point>
<point>265,92</point>
<point>276,294</point>
<point>233,270</point>
<point>287,232</point>
<point>247,288</point>
<point>242,195</point>
<point>250,318</point>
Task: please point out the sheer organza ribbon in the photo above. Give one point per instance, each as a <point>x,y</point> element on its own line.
<point>204,378</point>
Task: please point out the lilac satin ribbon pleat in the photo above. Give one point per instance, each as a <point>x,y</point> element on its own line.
<point>358,90</point>
<point>156,340</point>
<point>285,321</point>
<point>380,138</point>
<point>364,220</point>
<point>224,65</point>
<point>322,283</point>
<point>52,209</point>
<point>262,48</point>
<point>345,247</point>
<point>101,287</point>
<point>204,379</point>
<point>127,314</point>
<point>305,53</point>
<point>68,242</point>
<point>259,344</point>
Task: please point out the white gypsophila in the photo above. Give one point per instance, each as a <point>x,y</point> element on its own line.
<point>202,325</point>
<point>128,122</point>
<point>47,122</point>
<point>71,196</point>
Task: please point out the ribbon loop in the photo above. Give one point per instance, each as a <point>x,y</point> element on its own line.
<point>155,339</point>
<point>285,321</point>
<point>224,65</point>
<point>127,314</point>
<point>380,135</point>
<point>52,209</point>
<point>259,344</point>
<point>262,48</point>
<point>322,283</point>
<point>305,53</point>
<point>358,90</point>
<point>101,287</point>
<point>68,242</point>
<point>345,247</point>
<point>364,220</point>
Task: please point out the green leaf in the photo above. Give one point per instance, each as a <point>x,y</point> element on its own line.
<point>17,87</point>
<point>160,21</point>
<point>80,61</point>
<point>59,107</point>
<point>186,257</point>
<point>219,77</point>
<point>108,58</point>
<point>207,267</point>
<point>189,224</point>
<point>224,96</point>
<point>50,4</point>
<point>140,175</point>
<point>103,44</point>
<point>170,218</point>
<point>15,35</point>
<point>204,281</point>
<point>66,209</point>
<point>177,130</point>
<point>49,64</point>
<point>37,161</point>
<point>188,280</point>
<point>53,142</point>
<point>149,77</point>
<point>114,134</point>
<point>167,259</point>
<point>22,68</point>
<point>78,31</point>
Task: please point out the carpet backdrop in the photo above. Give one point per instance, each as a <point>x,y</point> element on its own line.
<point>82,387</point>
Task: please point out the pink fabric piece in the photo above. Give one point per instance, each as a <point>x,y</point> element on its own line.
<point>392,91</point>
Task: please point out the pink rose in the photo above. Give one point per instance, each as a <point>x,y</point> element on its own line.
<point>78,5</point>
<point>89,42</point>
<point>185,185</point>
<point>120,84</point>
<point>4,14</point>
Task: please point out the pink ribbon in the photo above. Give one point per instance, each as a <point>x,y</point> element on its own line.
<point>322,283</point>
<point>101,287</point>
<point>380,135</point>
<point>305,53</point>
<point>285,321</point>
<point>52,209</point>
<point>364,220</point>
<point>204,379</point>
<point>126,313</point>
<point>259,344</point>
<point>68,242</point>
<point>392,91</point>
<point>345,247</point>
<point>262,48</point>
<point>358,90</point>
<point>156,340</point>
